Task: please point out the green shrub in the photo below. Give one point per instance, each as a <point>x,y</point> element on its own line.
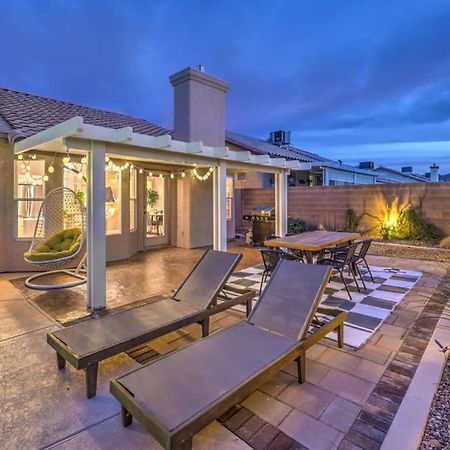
<point>411,225</point>
<point>351,220</point>
<point>296,225</point>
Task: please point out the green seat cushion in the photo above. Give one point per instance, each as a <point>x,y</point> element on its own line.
<point>60,245</point>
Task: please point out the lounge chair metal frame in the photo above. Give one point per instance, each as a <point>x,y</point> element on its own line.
<point>181,436</point>
<point>89,361</point>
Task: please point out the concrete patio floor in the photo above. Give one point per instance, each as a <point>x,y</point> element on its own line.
<point>348,401</point>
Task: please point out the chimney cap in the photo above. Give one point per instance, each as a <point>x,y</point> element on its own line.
<point>191,74</point>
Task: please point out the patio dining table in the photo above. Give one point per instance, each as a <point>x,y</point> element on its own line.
<point>312,241</point>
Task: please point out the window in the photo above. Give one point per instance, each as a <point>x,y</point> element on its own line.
<point>113,202</point>
<point>229,198</point>
<point>74,175</point>
<point>133,199</point>
<point>75,178</point>
<point>29,191</point>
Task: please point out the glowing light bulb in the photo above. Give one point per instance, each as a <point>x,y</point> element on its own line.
<point>22,166</point>
<point>150,174</point>
<point>211,169</point>
<point>33,156</point>
<point>45,177</point>
<point>51,169</point>
<point>131,166</point>
<point>141,171</point>
<point>20,157</point>
<point>66,159</point>
<point>183,174</point>
<point>172,176</point>
<point>161,175</point>
<point>106,159</point>
<point>84,160</point>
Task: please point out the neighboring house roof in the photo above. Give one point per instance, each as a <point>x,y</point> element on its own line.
<point>259,146</point>
<point>411,176</point>
<point>28,114</point>
<point>262,147</point>
<point>445,177</point>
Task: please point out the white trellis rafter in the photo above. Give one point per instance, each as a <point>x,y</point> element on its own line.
<point>76,136</point>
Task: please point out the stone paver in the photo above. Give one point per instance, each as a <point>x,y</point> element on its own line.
<point>278,383</point>
<point>315,371</point>
<point>307,398</point>
<point>266,407</point>
<point>340,414</point>
<point>339,359</point>
<point>348,386</point>
<point>369,370</point>
<point>310,432</point>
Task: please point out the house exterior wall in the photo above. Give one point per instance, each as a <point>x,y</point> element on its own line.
<point>119,246</point>
<point>327,205</point>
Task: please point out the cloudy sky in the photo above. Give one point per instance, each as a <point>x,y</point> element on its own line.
<point>353,80</point>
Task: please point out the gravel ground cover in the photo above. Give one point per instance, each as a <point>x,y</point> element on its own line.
<point>437,431</point>
<point>409,251</point>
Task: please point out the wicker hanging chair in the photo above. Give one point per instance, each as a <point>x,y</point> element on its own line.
<point>59,240</point>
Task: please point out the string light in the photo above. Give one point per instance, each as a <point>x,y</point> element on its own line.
<point>20,157</point>
<point>50,169</point>
<point>172,176</point>
<point>204,177</point>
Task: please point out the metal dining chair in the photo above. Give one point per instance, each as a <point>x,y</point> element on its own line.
<point>271,257</point>
<point>340,265</point>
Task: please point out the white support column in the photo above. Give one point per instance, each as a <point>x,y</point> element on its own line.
<point>96,226</point>
<point>220,207</point>
<point>325,177</point>
<point>281,198</point>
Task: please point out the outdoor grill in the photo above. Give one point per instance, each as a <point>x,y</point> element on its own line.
<point>262,222</point>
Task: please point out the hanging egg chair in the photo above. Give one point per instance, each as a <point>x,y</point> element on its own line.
<point>59,240</point>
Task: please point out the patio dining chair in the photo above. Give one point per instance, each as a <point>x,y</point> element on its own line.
<point>271,257</point>
<point>85,344</point>
<point>224,368</point>
<point>359,258</point>
<point>341,264</point>
<point>298,254</point>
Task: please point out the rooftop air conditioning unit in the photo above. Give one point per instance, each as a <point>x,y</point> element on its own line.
<point>280,137</point>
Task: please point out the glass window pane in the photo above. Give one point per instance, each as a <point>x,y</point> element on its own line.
<point>28,179</point>
<point>113,204</point>
<point>27,212</point>
<point>132,215</point>
<point>155,206</point>
<point>75,178</point>
<point>133,184</point>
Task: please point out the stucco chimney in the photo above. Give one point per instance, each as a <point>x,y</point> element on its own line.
<point>199,107</point>
<point>434,172</point>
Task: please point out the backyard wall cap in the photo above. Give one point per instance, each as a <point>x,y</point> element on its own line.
<point>190,73</point>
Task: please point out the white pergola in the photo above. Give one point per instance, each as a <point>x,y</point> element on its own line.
<point>77,137</point>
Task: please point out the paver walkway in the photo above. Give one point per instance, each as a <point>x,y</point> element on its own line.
<point>342,404</point>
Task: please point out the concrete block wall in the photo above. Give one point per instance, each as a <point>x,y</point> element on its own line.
<point>327,205</point>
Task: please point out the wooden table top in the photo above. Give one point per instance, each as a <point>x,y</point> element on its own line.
<point>313,240</point>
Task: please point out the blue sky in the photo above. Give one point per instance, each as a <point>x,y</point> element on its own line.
<point>353,80</point>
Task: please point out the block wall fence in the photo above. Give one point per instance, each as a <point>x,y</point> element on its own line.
<point>327,205</point>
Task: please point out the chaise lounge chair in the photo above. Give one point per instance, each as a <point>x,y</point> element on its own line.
<point>180,393</point>
<point>86,344</point>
